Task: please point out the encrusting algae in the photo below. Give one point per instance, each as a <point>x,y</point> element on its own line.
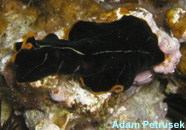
<point>176,19</point>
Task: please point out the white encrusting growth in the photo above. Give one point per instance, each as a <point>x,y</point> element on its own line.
<point>71,93</point>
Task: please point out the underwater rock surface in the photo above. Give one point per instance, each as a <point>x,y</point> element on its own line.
<point>176,19</point>
<point>102,117</point>
<point>59,102</point>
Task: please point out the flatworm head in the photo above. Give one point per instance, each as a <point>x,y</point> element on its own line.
<point>26,44</point>
<point>107,56</point>
<point>35,59</point>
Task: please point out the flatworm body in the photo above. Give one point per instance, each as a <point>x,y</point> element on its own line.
<point>107,56</point>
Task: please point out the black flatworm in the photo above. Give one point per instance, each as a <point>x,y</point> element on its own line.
<point>107,56</point>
